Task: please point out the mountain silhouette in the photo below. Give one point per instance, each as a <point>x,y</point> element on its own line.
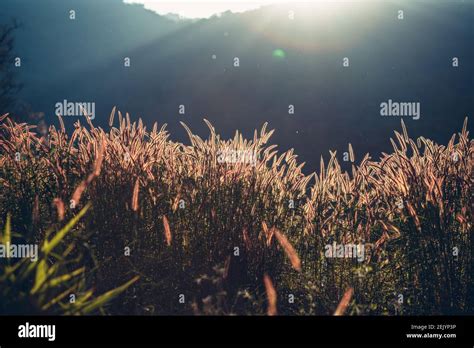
<point>241,70</point>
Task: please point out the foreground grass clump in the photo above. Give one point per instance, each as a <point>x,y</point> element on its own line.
<point>51,280</point>
<point>210,231</point>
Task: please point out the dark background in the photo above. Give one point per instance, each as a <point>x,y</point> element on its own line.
<point>404,60</point>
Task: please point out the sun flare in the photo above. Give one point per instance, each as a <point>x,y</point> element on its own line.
<point>207,8</point>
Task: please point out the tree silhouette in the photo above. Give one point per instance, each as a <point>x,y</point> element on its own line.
<point>8,84</point>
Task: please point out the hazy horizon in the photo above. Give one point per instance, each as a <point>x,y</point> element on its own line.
<point>196,9</point>
<point>242,70</point>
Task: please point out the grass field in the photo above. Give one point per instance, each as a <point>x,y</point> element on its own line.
<point>221,227</point>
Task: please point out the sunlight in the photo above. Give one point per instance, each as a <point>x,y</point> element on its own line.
<point>208,8</point>
<point>198,8</point>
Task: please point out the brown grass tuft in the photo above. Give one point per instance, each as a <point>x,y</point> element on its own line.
<point>166,225</point>
<point>342,306</point>
<point>136,188</point>
<point>271,295</point>
<point>58,202</point>
<point>289,249</point>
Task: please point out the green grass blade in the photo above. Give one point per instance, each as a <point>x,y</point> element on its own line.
<point>7,233</point>
<point>109,295</point>
<point>50,245</point>
<point>65,277</point>
<point>41,275</point>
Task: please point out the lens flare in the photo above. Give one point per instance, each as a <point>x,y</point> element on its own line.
<point>279,54</point>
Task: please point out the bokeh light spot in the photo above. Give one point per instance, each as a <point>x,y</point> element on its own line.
<point>279,53</point>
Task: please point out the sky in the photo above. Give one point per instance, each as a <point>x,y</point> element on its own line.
<point>203,9</point>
